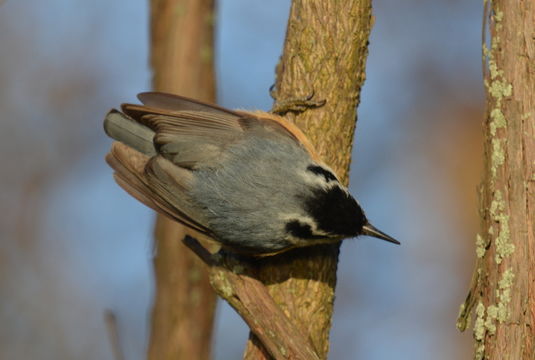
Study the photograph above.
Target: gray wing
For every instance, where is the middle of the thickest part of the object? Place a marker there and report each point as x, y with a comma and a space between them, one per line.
172, 102
193, 134
164, 140
157, 146
188, 138
156, 183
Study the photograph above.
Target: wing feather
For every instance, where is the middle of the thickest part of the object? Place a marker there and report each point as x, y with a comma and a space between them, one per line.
131, 173
175, 103
157, 103
290, 128
188, 134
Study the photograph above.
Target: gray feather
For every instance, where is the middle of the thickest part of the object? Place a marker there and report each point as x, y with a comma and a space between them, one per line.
234, 176
172, 184
155, 182
194, 139
121, 128
179, 103
245, 200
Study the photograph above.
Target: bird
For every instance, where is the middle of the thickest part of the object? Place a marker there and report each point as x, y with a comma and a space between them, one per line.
250, 180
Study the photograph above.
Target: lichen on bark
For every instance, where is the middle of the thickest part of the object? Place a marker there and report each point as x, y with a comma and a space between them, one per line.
503, 282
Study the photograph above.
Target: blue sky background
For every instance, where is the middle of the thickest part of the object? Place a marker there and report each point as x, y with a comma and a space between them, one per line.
74, 244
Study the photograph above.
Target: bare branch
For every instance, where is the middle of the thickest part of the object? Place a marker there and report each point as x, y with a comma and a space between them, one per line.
325, 55
504, 276
234, 280
184, 304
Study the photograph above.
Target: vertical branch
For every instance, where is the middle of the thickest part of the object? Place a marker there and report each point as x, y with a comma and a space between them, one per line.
324, 54
504, 281
182, 61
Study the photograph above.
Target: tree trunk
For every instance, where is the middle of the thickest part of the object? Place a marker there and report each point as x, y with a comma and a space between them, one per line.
182, 61
324, 55
503, 289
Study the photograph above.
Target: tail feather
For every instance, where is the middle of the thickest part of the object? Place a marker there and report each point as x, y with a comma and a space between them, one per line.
129, 167
121, 128
131, 174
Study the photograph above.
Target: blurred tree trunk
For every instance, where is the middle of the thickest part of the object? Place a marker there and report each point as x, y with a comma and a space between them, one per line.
325, 55
184, 305
503, 290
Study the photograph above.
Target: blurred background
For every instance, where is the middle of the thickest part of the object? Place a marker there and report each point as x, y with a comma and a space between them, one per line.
73, 244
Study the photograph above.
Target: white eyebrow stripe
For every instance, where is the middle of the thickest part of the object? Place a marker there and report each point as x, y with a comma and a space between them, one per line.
323, 178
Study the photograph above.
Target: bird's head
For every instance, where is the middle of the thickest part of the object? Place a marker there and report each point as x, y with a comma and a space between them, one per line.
331, 211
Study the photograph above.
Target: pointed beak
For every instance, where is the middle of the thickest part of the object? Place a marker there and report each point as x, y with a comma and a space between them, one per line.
371, 230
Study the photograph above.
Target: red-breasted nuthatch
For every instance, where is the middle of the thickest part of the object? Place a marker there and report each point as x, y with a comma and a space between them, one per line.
250, 180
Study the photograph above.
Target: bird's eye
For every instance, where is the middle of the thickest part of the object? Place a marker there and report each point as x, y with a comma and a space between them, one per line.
302, 230
321, 171
298, 229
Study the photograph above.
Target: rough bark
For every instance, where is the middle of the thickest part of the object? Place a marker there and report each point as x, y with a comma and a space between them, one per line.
503, 288
234, 280
182, 63
324, 54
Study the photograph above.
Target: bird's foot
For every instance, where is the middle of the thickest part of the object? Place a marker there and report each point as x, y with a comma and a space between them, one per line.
295, 105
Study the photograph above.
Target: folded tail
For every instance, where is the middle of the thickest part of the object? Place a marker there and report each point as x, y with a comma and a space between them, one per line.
155, 183
137, 136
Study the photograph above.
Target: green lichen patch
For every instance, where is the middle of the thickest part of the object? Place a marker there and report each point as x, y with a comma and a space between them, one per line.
504, 247
498, 16
486, 325
525, 116
490, 321
481, 246
500, 311
220, 283
461, 322
494, 71
497, 120
479, 324
485, 52
498, 89
283, 350
497, 157
497, 205
503, 294
480, 331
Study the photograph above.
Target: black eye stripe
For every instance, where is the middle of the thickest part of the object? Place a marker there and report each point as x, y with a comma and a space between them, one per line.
318, 170
335, 211
300, 230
